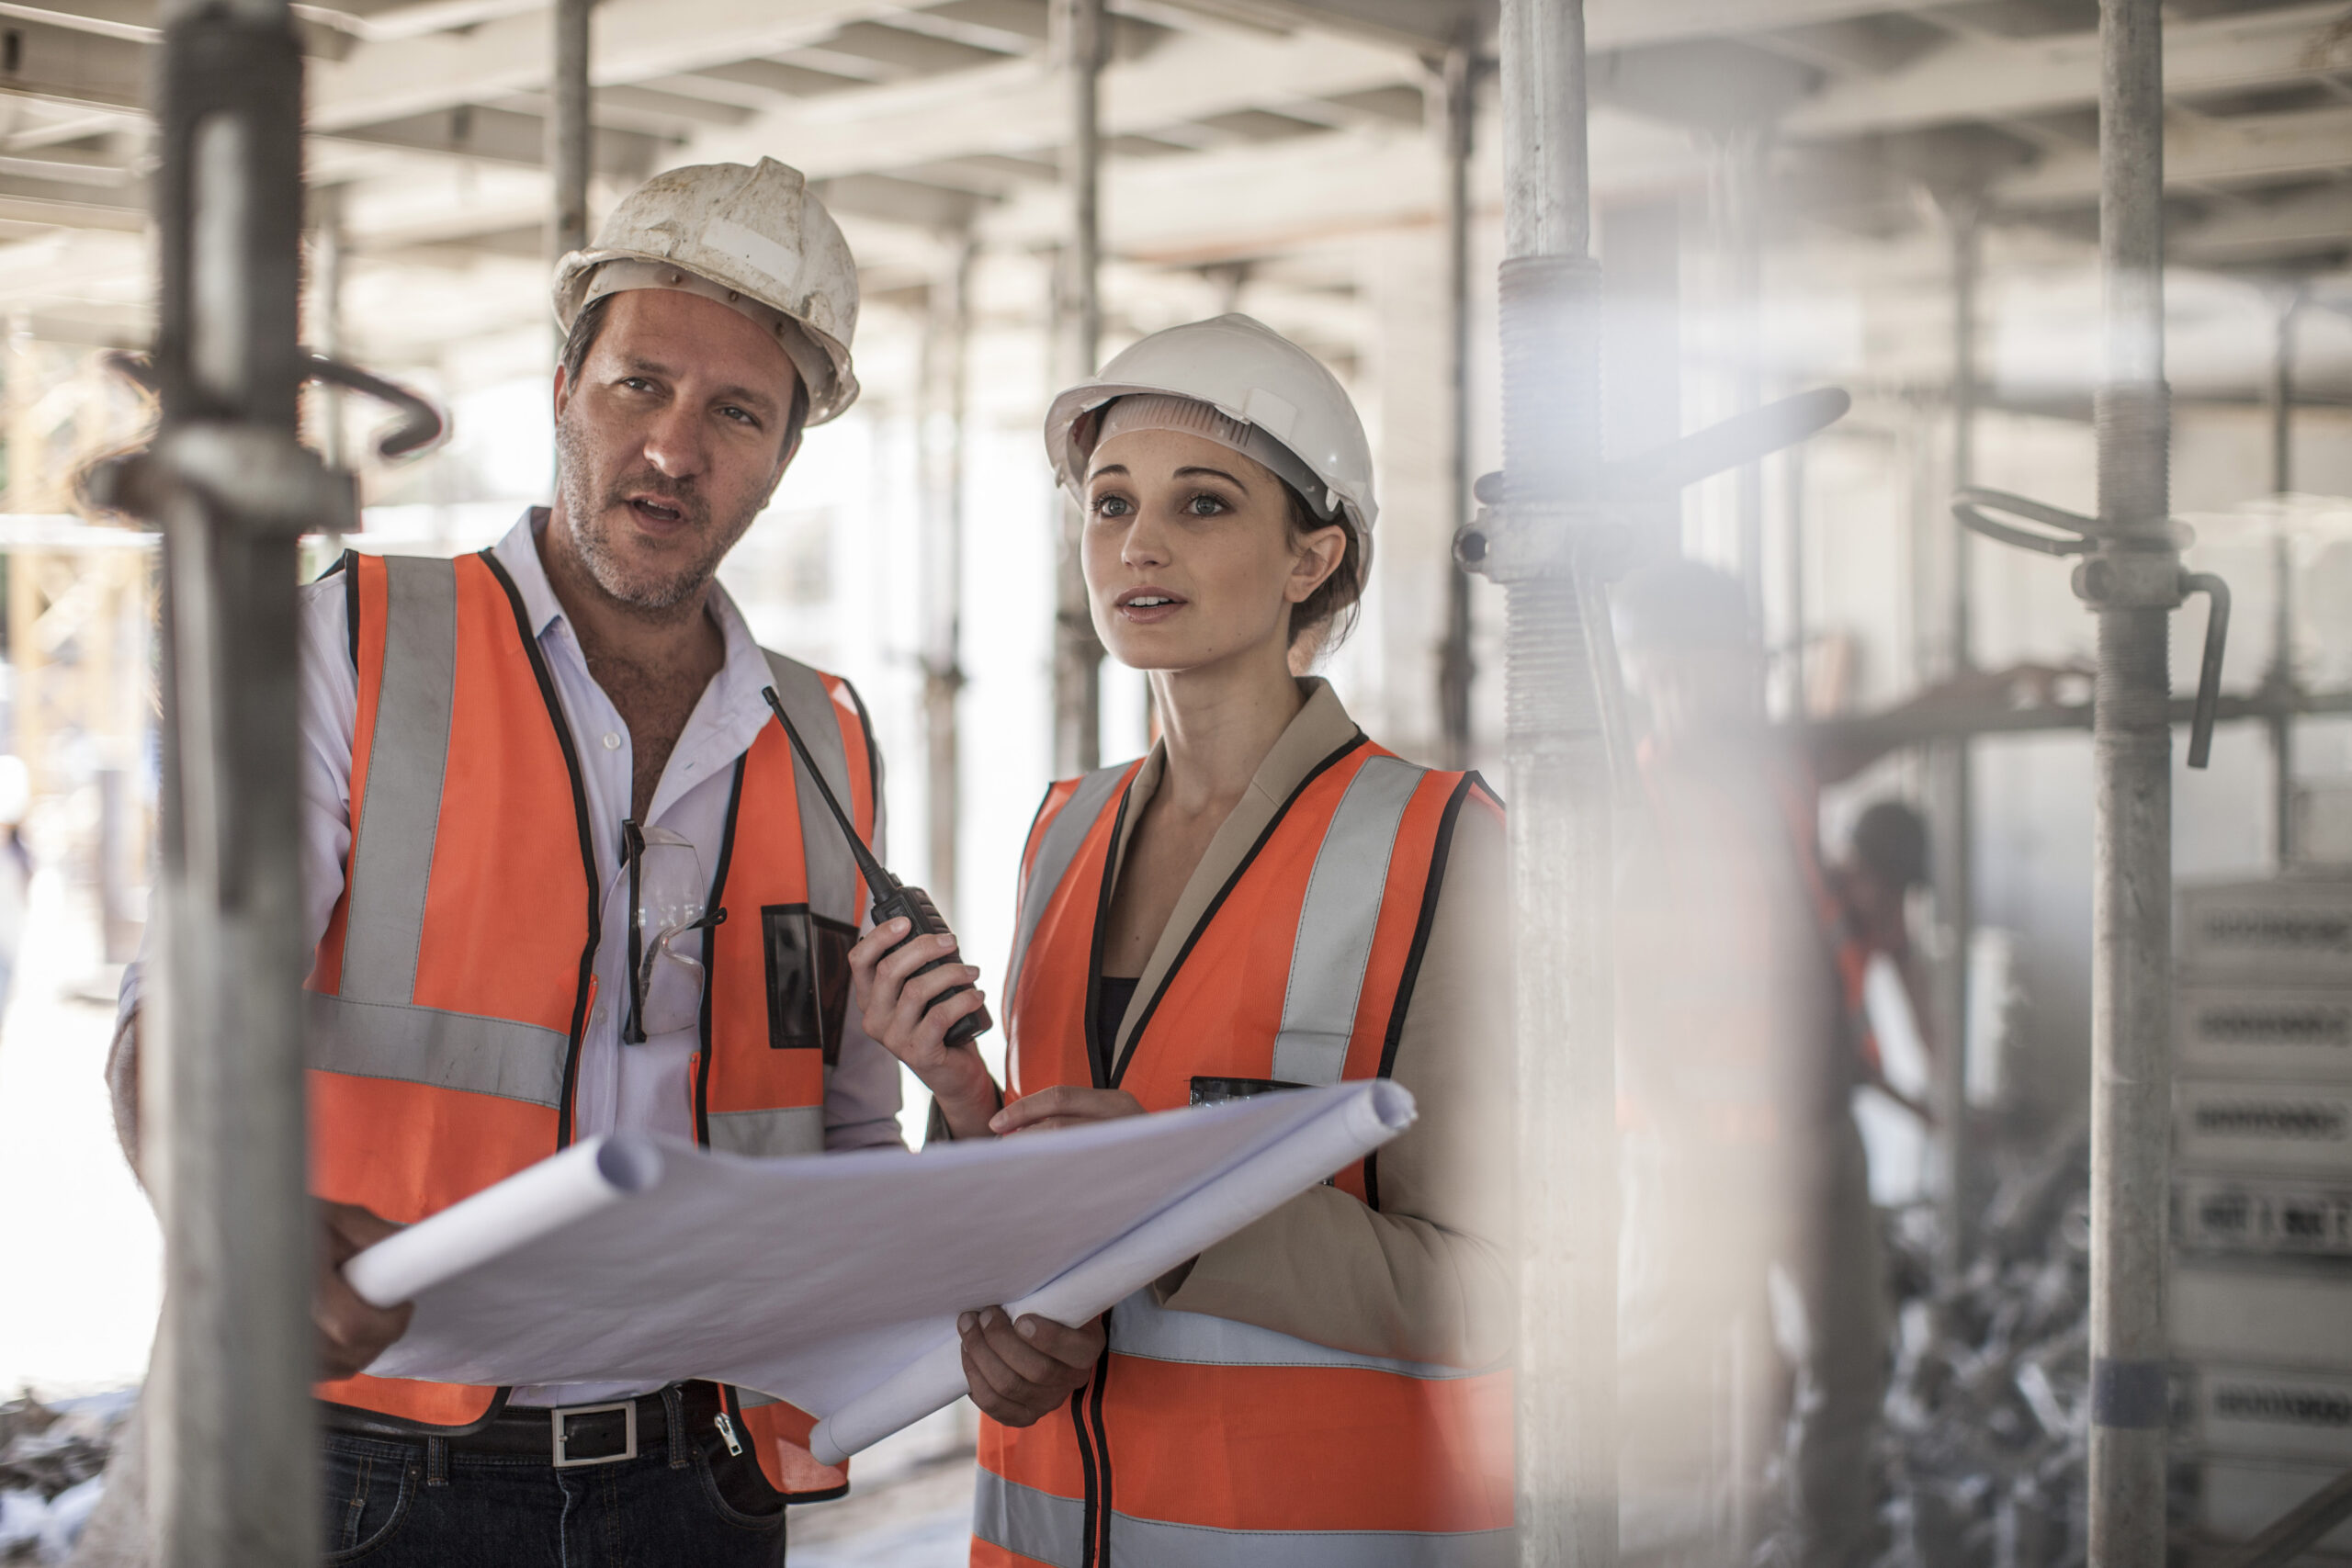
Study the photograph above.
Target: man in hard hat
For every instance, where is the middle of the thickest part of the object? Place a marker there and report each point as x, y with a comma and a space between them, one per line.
1751, 1289
562, 882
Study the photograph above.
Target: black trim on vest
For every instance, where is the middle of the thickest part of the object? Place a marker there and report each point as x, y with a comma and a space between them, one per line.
349, 567
563, 1129
1207, 915
1098, 1050
1099, 1505
1439, 852
710, 952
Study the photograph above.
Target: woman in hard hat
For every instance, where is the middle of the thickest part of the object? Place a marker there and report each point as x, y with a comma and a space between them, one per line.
1268, 900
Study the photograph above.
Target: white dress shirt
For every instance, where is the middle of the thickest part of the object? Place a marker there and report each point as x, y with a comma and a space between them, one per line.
642, 1088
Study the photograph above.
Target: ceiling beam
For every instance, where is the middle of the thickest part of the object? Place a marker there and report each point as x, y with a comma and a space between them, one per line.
44, 61
506, 136
2313, 221
2240, 150
1023, 106
1989, 78
635, 40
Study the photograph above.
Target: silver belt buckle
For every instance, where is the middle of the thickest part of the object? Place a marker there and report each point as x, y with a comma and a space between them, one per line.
557, 1417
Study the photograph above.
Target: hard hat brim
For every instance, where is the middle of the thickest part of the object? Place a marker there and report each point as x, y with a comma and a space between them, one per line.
577, 269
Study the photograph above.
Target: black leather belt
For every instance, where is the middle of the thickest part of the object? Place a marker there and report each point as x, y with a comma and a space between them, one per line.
570, 1435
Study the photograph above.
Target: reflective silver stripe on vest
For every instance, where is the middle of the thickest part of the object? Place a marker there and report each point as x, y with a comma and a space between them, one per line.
1140, 1327
796, 1130
1047, 1528
443, 1050
1064, 836
832, 869
1035, 1524
392, 853
1153, 1543
1337, 922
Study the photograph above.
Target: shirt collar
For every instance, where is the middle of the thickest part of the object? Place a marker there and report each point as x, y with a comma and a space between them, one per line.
736, 688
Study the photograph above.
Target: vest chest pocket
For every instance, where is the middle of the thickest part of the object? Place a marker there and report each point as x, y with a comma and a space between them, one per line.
808, 975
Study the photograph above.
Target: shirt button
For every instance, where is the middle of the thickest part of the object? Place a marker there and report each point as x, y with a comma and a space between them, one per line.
612, 741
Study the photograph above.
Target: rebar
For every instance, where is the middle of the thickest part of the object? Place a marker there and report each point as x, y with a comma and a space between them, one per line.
1952, 784
946, 348
2280, 676
1559, 787
1078, 654
1456, 668
2133, 582
568, 130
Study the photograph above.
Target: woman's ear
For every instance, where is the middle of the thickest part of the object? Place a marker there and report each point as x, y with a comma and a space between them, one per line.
1319, 555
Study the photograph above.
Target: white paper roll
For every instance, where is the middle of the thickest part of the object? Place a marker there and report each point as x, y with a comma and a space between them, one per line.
530, 1204
1249, 1191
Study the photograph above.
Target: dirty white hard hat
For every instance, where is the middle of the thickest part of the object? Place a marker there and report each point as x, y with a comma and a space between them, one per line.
1254, 377
753, 239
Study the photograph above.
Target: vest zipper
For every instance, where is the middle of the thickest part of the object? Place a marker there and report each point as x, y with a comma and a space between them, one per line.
727, 1434
1094, 1458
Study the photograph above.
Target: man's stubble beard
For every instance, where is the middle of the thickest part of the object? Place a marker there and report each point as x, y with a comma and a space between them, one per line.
588, 514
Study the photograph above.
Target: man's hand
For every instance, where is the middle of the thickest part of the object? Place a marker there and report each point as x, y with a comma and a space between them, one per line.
1064, 1105
1022, 1372
351, 1333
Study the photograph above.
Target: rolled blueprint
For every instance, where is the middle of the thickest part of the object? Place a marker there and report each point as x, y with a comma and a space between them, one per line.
1244, 1192
538, 1202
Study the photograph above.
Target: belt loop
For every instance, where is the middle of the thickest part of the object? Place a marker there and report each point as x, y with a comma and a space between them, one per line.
674, 1401
436, 1461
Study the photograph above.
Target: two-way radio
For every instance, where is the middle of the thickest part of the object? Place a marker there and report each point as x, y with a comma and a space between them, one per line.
892, 898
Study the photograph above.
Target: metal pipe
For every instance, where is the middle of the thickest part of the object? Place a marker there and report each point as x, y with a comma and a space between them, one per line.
1952, 784
1078, 655
2281, 674
946, 349
1456, 670
232, 1439
2134, 584
1557, 761
332, 247
568, 130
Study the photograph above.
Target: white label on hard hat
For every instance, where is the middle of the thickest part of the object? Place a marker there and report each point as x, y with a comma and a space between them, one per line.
1270, 413
724, 235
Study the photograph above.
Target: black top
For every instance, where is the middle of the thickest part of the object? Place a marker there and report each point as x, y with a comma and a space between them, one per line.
1111, 994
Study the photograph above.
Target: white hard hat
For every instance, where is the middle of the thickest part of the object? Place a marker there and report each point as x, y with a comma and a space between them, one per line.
1254, 377
751, 238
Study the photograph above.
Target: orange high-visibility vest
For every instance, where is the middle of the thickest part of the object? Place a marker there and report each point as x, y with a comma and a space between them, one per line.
448, 996
1200, 1440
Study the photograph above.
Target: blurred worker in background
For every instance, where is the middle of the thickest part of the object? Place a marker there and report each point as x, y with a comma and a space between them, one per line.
523, 771
1748, 1227
15, 869
1885, 862
1268, 900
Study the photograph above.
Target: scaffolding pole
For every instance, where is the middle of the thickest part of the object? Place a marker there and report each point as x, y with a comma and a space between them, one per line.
947, 350
1558, 767
233, 1450
2132, 581
2280, 677
1952, 784
569, 134
1078, 654
1456, 670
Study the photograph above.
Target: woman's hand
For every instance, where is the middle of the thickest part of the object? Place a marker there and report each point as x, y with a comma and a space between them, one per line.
1064, 1105
1022, 1372
891, 1000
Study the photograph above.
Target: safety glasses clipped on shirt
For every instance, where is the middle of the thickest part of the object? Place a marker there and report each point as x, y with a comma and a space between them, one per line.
666, 896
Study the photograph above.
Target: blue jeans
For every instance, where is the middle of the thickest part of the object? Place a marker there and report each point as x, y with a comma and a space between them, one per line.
395, 1503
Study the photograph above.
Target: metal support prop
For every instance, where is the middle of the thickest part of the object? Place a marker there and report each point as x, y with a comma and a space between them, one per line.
1558, 767
946, 348
1078, 654
1456, 670
2133, 581
234, 1447
1952, 784
2279, 678
568, 130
